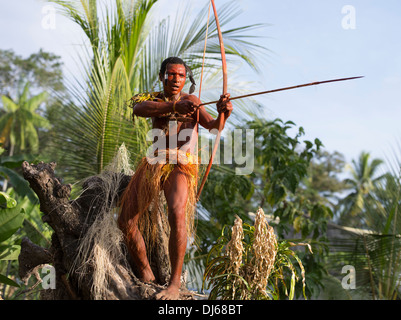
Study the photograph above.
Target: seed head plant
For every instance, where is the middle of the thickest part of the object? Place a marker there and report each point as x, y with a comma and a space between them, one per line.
248, 263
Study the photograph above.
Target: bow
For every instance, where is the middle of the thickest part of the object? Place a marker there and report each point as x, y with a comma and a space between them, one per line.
221, 122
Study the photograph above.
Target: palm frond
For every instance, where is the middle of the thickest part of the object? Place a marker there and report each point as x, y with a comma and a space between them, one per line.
84, 14
9, 104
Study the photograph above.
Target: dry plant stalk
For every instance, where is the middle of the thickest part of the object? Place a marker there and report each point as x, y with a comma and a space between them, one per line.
252, 255
255, 273
234, 251
264, 248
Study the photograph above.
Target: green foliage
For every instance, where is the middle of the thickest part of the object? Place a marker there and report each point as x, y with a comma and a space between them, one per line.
43, 72
11, 218
19, 216
277, 184
363, 181
8, 166
284, 269
322, 183
281, 164
374, 253
41, 69
6, 201
23, 220
19, 123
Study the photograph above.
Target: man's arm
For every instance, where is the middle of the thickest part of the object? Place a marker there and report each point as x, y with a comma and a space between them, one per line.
186, 106
159, 108
152, 108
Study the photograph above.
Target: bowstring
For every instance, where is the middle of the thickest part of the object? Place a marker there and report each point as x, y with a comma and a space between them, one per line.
204, 51
201, 77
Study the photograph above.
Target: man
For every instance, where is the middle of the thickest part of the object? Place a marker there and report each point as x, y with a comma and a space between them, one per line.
173, 112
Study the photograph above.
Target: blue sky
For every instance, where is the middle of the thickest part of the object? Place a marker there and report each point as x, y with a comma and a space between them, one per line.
307, 43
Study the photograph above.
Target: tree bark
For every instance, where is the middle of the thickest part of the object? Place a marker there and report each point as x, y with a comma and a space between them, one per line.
70, 220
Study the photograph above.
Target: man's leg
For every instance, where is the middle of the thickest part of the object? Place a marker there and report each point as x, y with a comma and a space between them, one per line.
176, 193
128, 223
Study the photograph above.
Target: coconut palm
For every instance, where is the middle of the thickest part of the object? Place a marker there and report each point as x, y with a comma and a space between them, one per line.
126, 50
364, 179
20, 121
374, 253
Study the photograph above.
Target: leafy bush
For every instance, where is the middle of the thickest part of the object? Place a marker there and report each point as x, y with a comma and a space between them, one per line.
11, 219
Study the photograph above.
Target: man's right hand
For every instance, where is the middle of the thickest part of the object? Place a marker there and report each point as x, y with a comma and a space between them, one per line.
185, 107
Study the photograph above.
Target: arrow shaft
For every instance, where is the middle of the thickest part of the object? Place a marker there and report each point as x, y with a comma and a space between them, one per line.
282, 89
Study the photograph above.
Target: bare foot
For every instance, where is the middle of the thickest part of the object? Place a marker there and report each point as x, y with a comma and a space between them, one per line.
171, 293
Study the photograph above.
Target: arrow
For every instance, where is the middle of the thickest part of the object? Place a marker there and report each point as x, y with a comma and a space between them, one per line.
282, 89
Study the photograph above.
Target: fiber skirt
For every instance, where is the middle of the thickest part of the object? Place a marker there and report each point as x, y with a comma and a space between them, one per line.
144, 194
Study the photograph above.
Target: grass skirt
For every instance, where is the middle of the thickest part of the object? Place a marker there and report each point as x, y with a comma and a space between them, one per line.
144, 195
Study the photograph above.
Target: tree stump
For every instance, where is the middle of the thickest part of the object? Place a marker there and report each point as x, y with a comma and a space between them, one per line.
71, 220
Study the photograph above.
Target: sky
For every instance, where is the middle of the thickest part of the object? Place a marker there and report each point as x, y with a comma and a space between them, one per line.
308, 40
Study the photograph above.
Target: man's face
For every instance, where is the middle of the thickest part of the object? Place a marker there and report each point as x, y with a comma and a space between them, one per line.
176, 76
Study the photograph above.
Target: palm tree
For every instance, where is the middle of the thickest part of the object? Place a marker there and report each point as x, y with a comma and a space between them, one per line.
19, 122
124, 58
363, 181
375, 253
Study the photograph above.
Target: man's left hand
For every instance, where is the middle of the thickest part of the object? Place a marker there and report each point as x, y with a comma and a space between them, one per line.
224, 105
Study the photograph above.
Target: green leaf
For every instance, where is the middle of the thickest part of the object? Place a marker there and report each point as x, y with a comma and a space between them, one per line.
292, 287
34, 233
10, 221
297, 224
10, 252
15, 161
318, 143
20, 185
309, 144
291, 181
6, 201
8, 281
277, 195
